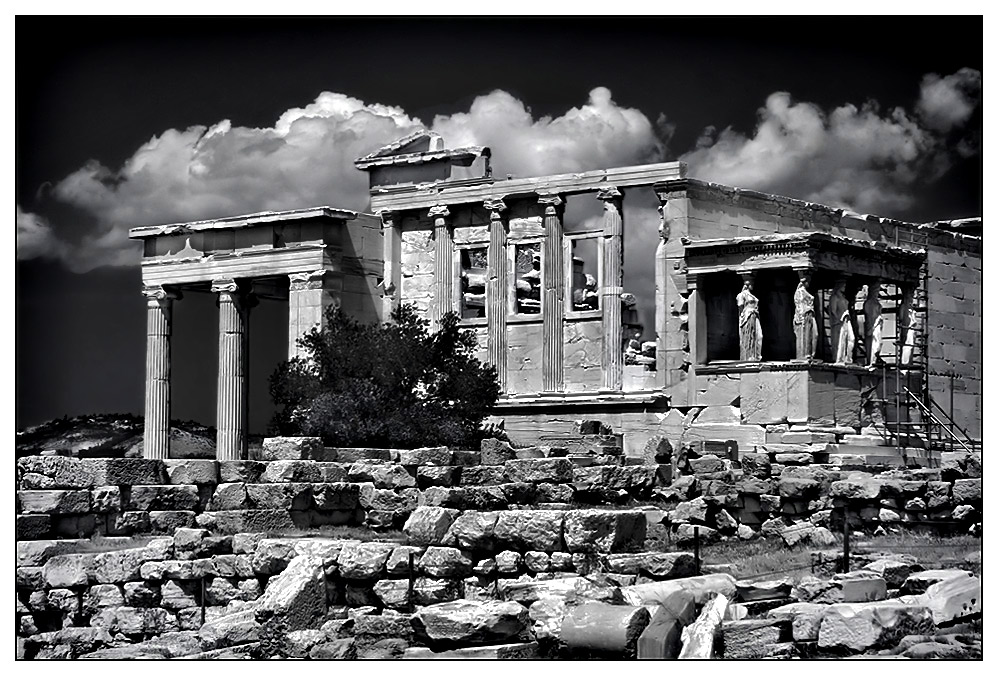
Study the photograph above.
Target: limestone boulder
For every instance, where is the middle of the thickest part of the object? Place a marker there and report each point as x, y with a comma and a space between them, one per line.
539, 470
54, 502
753, 639
332, 496
429, 591
235, 628
438, 456
604, 531
398, 560
445, 562
291, 448
365, 560
693, 511
460, 623
539, 530
393, 593
894, 570
46, 472
292, 601
967, 491
654, 564
804, 618
200, 472
686, 533
509, 562
382, 475
429, 525
546, 617
952, 600
475, 530
858, 627
339, 649
919, 582
496, 452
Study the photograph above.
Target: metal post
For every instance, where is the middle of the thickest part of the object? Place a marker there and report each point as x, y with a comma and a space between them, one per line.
412, 580
696, 548
952, 436
845, 539
202, 600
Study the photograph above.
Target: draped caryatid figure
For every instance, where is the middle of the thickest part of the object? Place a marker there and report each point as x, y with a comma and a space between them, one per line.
840, 321
749, 326
805, 325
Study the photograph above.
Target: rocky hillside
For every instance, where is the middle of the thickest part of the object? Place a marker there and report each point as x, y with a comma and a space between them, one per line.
110, 435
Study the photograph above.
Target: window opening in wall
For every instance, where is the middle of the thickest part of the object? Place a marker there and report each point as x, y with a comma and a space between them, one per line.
585, 274
527, 278
474, 270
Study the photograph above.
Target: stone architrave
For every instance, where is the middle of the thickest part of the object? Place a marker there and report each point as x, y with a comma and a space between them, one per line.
749, 326
231, 419
443, 268
613, 280
553, 305
307, 301
873, 326
805, 325
840, 320
496, 290
159, 322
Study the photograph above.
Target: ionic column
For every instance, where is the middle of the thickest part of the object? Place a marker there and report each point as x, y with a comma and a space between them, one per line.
159, 323
232, 404
308, 298
496, 290
553, 358
392, 254
662, 296
443, 265
613, 279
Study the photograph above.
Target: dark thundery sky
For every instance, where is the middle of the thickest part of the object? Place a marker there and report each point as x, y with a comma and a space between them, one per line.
126, 122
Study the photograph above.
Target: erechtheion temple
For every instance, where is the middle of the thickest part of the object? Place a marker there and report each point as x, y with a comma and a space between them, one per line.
775, 320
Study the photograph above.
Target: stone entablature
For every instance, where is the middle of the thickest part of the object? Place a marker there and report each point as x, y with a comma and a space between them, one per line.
804, 251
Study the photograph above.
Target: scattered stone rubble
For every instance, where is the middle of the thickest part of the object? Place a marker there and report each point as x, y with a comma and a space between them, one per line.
508, 554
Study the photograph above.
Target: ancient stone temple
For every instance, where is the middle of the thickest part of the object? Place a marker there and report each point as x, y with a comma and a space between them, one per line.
773, 317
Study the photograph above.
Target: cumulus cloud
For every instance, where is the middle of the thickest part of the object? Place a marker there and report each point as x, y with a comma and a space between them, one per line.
596, 135
306, 158
854, 156
35, 237
948, 102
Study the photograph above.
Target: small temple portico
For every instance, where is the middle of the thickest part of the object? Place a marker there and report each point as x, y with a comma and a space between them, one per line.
313, 258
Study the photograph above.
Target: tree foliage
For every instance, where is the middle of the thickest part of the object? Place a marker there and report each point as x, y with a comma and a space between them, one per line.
385, 385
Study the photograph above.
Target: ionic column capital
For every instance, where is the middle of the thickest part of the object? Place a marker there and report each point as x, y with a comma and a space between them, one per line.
495, 206
552, 204
157, 293
387, 217
225, 285
609, 194
303, 281
439, 211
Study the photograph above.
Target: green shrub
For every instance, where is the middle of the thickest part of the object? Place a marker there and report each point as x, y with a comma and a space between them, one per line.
391, 385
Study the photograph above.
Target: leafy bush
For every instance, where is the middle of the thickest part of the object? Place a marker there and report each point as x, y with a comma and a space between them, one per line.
391, 385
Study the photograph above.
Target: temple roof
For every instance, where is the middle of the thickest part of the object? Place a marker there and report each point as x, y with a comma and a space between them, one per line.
244, 221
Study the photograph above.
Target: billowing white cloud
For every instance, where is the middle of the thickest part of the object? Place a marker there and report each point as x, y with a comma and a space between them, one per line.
35, 237
594, 136
948, 102
307, 157
855, 157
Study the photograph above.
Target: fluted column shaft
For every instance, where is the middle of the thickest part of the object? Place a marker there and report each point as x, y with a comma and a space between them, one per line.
232, 383
443, 265
612, 288
496, 290
553, 357
159, 320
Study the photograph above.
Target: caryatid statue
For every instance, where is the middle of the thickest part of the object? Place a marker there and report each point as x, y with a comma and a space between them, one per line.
873, 327
843, 338
749, 326
805, 325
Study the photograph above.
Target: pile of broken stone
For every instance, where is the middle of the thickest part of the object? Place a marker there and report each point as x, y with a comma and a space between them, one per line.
322, 598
